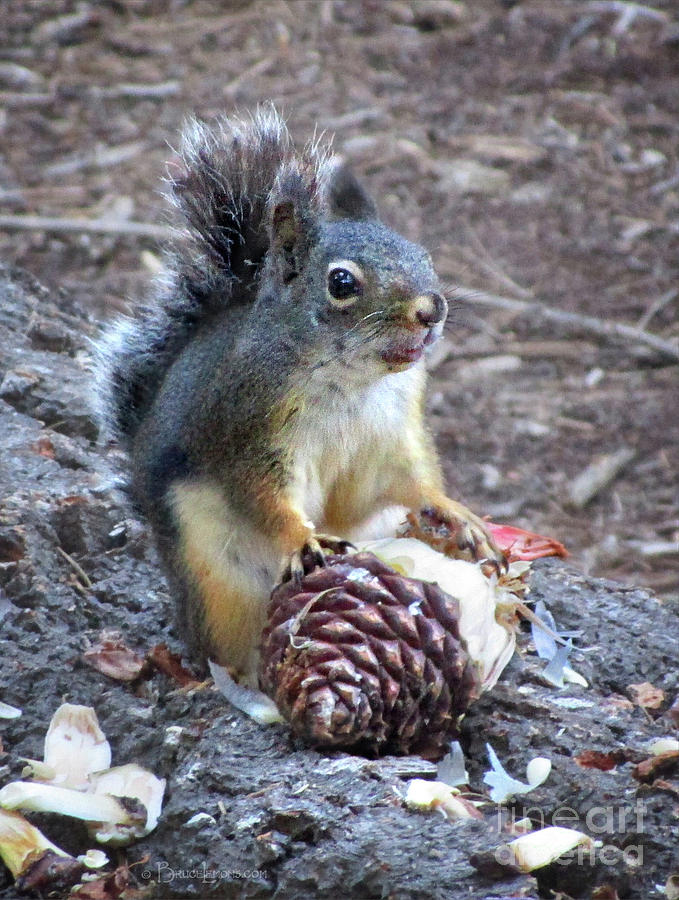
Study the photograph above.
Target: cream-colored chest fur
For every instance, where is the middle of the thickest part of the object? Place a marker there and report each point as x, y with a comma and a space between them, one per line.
347, 451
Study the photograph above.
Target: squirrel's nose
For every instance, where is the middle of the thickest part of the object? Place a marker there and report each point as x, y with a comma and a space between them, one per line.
430, 309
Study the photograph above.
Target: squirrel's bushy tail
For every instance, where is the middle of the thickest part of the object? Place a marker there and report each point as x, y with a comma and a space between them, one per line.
221, 188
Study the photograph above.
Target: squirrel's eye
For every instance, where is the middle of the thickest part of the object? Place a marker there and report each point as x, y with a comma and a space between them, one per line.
343, 285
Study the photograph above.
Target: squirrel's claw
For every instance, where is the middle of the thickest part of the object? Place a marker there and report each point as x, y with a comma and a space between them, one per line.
303, 560
334, 544
470, 534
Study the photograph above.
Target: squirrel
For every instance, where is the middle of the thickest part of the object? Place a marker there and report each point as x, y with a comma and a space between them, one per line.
270, 394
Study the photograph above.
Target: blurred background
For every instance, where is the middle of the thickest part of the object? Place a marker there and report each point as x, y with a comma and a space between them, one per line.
533, 147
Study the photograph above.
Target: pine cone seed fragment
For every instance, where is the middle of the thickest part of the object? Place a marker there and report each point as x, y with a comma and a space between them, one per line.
359, 656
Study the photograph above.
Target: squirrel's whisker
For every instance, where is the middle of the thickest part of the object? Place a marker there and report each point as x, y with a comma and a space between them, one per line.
377, 312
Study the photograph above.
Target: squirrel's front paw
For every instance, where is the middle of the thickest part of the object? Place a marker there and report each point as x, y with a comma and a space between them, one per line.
469, 532
310, 554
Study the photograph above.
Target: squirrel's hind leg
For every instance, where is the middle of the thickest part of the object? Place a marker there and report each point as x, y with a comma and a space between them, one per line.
227, 570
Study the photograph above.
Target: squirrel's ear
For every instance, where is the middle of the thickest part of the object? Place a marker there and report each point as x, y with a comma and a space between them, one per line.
284, 226
346, 198
293, 226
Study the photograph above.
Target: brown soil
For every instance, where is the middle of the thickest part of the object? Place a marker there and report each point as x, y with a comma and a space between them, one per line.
532, 146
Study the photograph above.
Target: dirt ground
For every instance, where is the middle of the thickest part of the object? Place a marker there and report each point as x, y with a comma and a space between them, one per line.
532, 146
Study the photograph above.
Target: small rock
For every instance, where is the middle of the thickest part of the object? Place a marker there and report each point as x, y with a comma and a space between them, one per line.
531, 428
12, 545
173, 735
19, 77
271, 846
49, 335
481, 369
467, 176
430, 15
16, 388
500, 148
81, 525
201, 820
531, 192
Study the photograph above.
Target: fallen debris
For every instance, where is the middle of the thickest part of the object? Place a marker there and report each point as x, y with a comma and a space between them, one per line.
119, 805
252, 702
171, 665
646, 695
435, 795
75, 747
598, 475
659, 764
503, 787
35, 863
112, 657
540, 848
9, 712
451, 770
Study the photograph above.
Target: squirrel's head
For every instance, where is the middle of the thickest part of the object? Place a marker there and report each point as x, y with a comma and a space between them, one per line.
364, 296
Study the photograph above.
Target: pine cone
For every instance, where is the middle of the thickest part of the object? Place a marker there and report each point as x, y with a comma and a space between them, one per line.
358, 656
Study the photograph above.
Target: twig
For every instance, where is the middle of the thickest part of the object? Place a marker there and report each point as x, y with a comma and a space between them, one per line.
486, 262
82, 574
173, 26
403, 767
259, 68
99, 158
88, 226
611, 331
581, 27
62, 28
627, 12
565, 349
659, 303
64, 194
655, 548
355, 119
17, 100
137, 91
598, 475
667, 185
